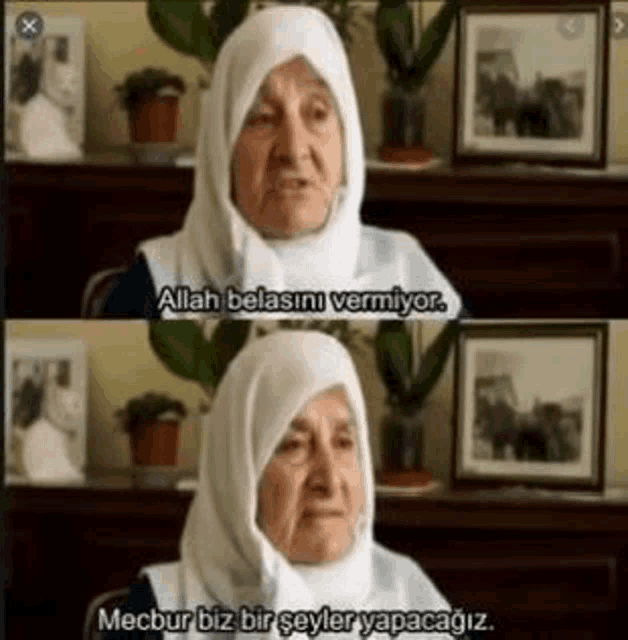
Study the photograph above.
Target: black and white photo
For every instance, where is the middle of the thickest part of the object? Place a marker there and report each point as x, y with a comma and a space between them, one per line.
46, 417
530, 404
45, 89
531, 83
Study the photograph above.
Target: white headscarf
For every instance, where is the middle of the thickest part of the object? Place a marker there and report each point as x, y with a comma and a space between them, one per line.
265, 387
217, 248
225, 557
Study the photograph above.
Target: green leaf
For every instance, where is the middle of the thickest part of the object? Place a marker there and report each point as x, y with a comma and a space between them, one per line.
432, 43
227, 340
177, 22
393, 356
181, 346
224, 17
394, 36
432, 364
182, 24
146, 408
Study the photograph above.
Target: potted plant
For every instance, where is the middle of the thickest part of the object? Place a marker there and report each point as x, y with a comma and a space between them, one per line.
152, 421
151, 97
403, 105
192, 30
184, 348
402, 428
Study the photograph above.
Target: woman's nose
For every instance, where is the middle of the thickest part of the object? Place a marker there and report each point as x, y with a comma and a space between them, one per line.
325, 472
292, 140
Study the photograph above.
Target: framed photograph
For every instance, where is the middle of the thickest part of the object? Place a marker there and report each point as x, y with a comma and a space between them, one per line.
46, 418
531, 83
44, 79
530, 406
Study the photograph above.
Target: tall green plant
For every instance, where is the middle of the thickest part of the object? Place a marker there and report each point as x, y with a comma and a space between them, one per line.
182, 347
394, 358
183, 25
407, 67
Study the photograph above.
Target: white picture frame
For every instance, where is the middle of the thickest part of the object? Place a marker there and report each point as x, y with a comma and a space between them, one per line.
531, 83
530, 405
37, 370
28, 68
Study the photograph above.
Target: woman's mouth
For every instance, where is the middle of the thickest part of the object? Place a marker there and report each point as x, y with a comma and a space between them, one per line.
292, 184
323, 513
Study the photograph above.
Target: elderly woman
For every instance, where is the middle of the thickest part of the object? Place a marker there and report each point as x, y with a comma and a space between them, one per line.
279, 182
283, 514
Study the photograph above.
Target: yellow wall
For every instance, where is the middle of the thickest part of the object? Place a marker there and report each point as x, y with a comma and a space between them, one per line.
120, 40
439, 440
122, 365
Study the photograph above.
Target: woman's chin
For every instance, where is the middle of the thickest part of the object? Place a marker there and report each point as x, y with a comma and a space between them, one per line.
293, 219
319, 550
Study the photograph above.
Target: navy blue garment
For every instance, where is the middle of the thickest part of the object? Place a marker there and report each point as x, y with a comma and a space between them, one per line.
141, 599
134, 296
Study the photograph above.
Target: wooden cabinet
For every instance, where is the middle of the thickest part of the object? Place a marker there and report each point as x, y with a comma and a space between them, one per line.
541, 570
538, 568
533, 244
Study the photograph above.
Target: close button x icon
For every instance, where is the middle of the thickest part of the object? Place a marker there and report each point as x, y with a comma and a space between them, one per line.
29, 25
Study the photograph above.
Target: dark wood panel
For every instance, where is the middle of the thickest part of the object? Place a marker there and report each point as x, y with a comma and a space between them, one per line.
515, 245
542, 586
541, 568
118, 231
530, 259
497, 188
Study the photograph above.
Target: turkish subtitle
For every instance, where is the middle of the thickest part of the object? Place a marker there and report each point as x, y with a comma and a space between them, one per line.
311, 623
398, 301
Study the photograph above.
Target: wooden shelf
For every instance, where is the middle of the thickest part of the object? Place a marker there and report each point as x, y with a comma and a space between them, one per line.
534, 562
516, 243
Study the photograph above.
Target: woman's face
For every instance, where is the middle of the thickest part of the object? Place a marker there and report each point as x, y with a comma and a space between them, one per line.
311, 493
287, 162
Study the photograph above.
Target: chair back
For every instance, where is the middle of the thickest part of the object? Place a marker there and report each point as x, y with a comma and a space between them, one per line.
97, 290
108, 601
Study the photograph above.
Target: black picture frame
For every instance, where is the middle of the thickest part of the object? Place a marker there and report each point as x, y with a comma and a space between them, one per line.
558, 120
501, 439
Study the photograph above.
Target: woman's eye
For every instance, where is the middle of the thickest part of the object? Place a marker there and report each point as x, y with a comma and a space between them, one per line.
290, 446
260, 119
346, 443
319, 113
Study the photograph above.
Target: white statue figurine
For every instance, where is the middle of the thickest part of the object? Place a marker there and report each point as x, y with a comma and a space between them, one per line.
44, 123
45, 442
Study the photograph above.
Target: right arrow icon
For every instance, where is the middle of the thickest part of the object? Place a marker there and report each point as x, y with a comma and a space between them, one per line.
620, 24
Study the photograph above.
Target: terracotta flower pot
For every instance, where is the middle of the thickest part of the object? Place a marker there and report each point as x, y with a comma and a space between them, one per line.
403, 127
402, 440
155, 120
156, 444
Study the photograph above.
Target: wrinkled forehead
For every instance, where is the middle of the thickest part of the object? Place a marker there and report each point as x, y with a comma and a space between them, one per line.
297, 69
333, 403
334, 406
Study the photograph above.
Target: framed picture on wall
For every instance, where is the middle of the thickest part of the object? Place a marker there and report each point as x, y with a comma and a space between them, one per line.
530, 406
46, 417
44, 85
531, 82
